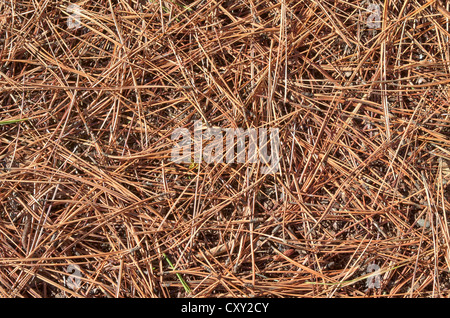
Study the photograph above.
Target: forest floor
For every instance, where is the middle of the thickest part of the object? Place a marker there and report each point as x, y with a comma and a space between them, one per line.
93, 94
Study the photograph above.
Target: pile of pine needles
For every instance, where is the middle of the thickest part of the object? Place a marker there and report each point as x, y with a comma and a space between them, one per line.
91, 204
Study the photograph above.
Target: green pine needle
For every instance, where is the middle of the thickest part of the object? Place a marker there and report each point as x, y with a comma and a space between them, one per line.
13, 121
183, 282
